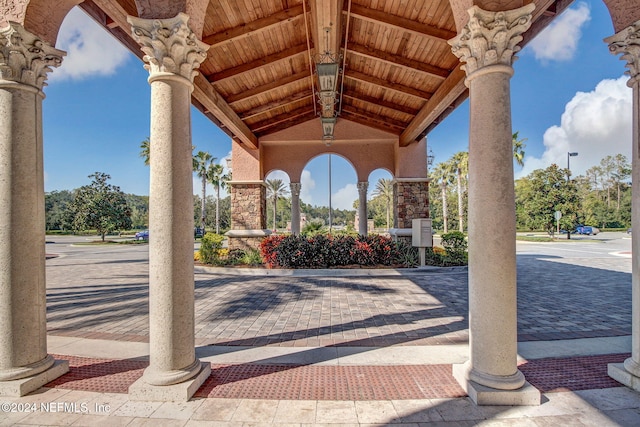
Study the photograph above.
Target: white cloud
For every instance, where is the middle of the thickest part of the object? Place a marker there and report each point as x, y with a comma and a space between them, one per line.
344, 197
307, 185
91, 51
594, 124
559, 40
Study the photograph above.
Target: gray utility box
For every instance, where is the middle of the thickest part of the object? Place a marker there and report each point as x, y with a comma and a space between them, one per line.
422, 233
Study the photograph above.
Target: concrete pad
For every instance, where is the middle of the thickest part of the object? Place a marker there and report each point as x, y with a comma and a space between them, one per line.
103, 349
336, 411
137, 409
620, 374
575, 347
177, 410
90, 420
268, 355
296, 411
607, 399
24, 386
417, 411
254, 410
403, 355
181, 392
213, 410
379, 411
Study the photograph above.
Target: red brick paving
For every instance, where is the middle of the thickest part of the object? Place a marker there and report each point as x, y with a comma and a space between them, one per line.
294, 382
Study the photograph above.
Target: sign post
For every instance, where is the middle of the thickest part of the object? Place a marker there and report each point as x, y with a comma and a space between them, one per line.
557, 215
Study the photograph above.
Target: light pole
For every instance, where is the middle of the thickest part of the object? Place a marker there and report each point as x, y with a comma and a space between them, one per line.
569, 156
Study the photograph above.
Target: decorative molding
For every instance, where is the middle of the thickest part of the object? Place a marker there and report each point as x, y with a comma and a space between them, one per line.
627, 43
169, 45
25, 58
491, 38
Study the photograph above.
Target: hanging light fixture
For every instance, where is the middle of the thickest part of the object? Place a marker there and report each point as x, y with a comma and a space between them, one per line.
327, 69
328, 76
328, 124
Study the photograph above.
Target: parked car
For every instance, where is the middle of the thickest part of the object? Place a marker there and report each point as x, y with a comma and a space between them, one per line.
142, 235
628, 231
586, 229
198, 232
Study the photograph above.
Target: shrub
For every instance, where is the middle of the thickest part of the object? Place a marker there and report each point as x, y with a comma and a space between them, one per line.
210, 248
455, 245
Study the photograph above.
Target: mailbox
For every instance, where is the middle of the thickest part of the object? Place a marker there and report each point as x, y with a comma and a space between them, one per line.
422, 234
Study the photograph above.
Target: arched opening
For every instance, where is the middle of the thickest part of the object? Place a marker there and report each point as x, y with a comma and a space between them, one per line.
380, 210
278, 201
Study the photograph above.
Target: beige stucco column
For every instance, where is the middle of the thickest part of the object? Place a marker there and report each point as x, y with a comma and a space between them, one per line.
25, 365
627, 42
363, 186
487, 44
295, 207
172, 53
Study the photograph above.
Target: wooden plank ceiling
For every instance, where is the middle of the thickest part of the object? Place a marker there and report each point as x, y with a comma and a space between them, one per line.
397, 71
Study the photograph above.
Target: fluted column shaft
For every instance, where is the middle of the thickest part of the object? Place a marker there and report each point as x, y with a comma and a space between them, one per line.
172, 55
25, 61
362, 207
295, 207
487, 45
627, 43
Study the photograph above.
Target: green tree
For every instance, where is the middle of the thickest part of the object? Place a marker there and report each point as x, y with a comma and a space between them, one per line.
100, 206
460, 163
518, 148
219, 180
275, 190
442, 175
203, 164
58, 213
384, 190
145, 151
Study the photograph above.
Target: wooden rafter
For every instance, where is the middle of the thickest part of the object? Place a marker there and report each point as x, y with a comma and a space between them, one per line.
381, 103
258, 63
382, 18
253, 27
262, 109
449, 91
276, 84
282, 118
285, 125
397, 60
370, 123
417, 93
365, 114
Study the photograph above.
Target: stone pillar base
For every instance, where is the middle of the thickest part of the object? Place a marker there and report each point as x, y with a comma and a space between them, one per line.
181, 392
246, 239
620, 374
24, 386
527, 395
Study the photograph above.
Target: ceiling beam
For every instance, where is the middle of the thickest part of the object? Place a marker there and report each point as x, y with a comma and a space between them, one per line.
370, 123
282, 118
397, 60
276, 84
214, 103
253, 27
381, 103
285, 125
365, 114
258, 63
406, 90
445, 95
383, 18
262, 109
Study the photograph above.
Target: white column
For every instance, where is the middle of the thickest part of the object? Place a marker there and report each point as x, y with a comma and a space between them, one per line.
295, 207
627, 42
362, 207
172, 55
487, 45
25, 365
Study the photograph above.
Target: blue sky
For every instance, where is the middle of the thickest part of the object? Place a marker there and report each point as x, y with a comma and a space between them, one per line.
568, 94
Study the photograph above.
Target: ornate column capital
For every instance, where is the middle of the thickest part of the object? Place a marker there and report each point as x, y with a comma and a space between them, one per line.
363, 186
627, 43
169, 45
295, 188
491, 38
25, 58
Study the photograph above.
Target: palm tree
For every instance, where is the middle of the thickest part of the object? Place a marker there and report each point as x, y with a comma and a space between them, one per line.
518, 148
218, 180
202, 164
384, 189
442, 175
460, 162
145, 151
275, 190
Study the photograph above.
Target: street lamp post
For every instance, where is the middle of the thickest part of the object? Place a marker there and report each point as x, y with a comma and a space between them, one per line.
569, 156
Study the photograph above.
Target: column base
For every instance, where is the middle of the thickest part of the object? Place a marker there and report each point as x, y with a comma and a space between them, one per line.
527, 395
246, 239
182, 392
618, 372
24, 386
